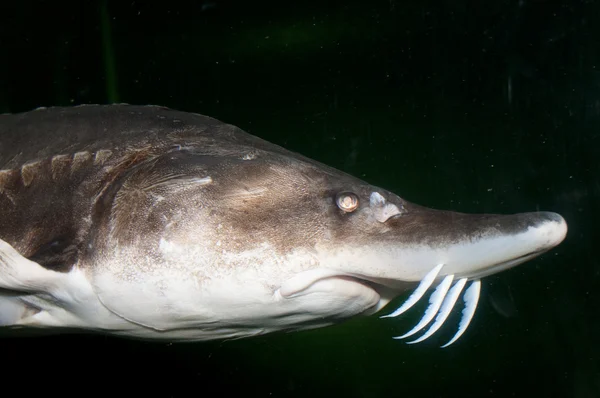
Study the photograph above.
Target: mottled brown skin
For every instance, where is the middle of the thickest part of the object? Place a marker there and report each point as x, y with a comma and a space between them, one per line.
90, 174
62, 169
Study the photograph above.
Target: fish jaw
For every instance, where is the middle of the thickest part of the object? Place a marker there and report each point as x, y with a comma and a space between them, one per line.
456, 267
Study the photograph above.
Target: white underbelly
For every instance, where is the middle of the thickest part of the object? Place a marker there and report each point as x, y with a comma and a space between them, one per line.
179, 309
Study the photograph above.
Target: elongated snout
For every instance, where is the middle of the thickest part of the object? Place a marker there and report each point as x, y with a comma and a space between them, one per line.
537, 232
503, 242
477, 245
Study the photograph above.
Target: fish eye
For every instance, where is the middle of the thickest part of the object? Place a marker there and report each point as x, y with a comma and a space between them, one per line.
347, 201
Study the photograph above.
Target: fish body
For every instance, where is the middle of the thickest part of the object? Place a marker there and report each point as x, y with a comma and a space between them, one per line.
151, 223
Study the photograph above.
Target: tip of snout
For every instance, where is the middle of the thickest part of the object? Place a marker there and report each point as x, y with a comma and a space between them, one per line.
552, 229
513, 240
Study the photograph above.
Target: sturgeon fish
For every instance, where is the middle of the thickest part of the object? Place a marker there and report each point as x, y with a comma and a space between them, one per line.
150, 223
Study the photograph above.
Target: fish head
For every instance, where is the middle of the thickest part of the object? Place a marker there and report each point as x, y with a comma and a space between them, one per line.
276, 219
273, 207
382, 236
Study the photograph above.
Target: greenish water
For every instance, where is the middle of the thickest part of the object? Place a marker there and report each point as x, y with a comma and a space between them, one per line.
475, 107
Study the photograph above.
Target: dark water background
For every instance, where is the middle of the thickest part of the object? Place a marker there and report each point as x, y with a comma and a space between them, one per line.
472, 106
